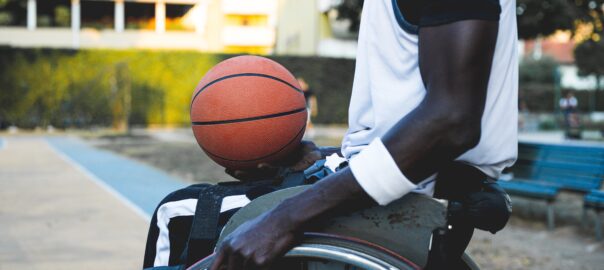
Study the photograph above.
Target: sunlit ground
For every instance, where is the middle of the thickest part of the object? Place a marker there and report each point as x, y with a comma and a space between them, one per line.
524, 244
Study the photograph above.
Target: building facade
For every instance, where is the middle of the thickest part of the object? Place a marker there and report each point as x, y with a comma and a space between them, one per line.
218, 26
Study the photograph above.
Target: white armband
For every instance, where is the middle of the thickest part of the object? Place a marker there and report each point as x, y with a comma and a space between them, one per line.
378, 174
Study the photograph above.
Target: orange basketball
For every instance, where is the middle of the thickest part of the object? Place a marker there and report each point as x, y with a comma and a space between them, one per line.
248, 110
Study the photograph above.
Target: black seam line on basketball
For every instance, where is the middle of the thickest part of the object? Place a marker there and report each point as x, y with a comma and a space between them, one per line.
244, 75
255, 159
207, 123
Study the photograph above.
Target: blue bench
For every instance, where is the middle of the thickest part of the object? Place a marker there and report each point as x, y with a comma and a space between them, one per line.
531, 189
595, 200
543, 170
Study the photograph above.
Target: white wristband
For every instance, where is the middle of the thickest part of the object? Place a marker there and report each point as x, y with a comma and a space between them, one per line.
378, 174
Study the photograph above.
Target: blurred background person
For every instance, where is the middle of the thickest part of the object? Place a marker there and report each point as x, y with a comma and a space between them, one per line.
568, 106
311, 105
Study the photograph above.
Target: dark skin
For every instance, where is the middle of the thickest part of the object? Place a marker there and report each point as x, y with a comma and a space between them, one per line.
455, 61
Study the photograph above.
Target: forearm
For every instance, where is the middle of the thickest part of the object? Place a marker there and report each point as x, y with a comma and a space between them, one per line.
333, 192
426, 148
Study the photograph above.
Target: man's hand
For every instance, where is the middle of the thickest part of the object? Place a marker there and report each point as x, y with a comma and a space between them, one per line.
305, 156
308, 154
260, 241
257, 243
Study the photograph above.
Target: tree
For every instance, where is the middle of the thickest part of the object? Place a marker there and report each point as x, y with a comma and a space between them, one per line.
589, 53
542, 18
589, 56
121, 96
537, 71
350, 10
535, 17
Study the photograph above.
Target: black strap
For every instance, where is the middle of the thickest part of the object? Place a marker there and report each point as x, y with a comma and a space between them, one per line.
204, 229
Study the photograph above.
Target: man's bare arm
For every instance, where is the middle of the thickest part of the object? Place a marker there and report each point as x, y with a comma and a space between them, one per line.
455, 62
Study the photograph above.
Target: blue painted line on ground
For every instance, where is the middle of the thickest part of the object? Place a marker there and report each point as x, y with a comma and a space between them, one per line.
141, 184
1, 144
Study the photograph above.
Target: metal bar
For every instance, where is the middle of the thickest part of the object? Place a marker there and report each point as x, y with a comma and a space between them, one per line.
119, 16
584, 218
598, 225
160, 16
75, 23
31, 15
550, 215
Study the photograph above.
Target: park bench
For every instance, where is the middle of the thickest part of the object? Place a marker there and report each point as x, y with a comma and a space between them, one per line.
543, 170
595, 201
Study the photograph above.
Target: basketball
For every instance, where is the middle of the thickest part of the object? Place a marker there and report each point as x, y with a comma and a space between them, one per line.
248, 110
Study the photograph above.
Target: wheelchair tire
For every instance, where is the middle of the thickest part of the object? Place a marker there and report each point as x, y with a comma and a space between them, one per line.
351, 252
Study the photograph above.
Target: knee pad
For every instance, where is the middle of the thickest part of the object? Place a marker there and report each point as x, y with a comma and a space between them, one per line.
488, 209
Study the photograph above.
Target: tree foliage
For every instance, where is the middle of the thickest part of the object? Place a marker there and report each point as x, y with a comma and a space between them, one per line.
542, 18
350, 10
12, 12
589, 54
535, 17
589, 57
537, 71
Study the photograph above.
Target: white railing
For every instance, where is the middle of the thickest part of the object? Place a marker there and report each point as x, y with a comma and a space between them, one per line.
91, 38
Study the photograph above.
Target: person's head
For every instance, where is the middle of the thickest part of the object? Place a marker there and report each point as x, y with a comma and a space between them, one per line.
302, 83
570, 94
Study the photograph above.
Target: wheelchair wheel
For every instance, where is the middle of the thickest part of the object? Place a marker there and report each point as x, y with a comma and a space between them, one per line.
331, 252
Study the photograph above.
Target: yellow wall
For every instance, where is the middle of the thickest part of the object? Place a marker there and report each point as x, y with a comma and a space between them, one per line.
214, 24
247, 20
248, 50
217, 20
297, 27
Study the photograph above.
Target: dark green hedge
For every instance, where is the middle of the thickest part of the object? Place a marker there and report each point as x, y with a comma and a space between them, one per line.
69, 88
540, 98
537, 87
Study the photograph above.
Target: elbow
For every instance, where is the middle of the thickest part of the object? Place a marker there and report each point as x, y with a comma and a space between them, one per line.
463, 131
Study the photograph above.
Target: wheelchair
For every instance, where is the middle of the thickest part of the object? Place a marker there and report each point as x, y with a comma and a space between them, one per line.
396, 236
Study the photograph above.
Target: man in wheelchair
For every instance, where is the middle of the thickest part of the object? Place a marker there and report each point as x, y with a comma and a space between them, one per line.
433, 111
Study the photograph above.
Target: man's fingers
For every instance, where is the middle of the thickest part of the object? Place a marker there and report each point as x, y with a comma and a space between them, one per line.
307, 160
218, 259
309, 144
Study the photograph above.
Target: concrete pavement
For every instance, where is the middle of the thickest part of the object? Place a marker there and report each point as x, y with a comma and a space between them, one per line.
52, 216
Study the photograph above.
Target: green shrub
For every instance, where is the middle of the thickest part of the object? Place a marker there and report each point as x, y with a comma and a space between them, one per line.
69, 88
547, 125
537, 71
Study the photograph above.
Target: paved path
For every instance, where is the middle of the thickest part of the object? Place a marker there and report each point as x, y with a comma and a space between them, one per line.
138, 185
58, 214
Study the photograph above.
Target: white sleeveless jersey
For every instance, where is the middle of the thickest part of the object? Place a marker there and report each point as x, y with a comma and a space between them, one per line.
388, 85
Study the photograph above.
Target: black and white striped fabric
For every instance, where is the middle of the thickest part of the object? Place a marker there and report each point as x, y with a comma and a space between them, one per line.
172, 220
